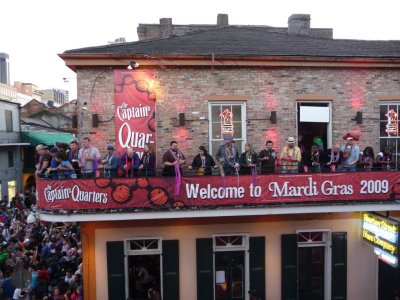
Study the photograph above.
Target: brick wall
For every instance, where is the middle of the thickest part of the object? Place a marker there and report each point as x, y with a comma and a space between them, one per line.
186, 90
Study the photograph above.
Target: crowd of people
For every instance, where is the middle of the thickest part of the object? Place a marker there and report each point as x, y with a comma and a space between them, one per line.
71, 161
38, 260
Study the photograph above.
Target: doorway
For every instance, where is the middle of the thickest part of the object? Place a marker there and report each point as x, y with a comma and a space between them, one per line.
230, 275
311, 273
314, 125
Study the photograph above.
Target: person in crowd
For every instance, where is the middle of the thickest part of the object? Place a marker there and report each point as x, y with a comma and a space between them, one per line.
73, 156
44, 160
65, 169
290, 156
335, 157
351, 153
148, 161
385, 159
110, 162
171, 157
315, 159
228, 157
248, 159
129, 163
52, 171
367, 159
203, 163
267, 158
88, 157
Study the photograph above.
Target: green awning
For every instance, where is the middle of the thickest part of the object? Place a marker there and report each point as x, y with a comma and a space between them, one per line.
46, 138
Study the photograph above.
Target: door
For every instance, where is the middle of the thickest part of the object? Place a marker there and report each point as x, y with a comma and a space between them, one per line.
311, 273
230, 275
388, 281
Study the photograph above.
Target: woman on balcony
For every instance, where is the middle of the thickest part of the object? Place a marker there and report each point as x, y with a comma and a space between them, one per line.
248, 160
148, 162
203, 163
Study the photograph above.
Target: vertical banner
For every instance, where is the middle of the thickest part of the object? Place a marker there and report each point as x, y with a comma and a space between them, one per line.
135, 114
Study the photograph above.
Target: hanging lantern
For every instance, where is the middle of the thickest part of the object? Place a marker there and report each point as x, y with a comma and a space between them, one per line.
392, 124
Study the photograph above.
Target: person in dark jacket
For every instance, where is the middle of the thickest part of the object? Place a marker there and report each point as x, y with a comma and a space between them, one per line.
248, 159
203, 163
148, 162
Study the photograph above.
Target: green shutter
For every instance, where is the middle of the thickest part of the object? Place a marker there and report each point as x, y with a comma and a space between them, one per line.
257, 265
116, 270
339, 265
289, 266
170, 258
205, 269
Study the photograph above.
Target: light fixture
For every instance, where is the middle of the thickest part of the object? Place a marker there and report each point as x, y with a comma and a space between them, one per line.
84, 105
272, 118
181, 119
133, 65
358, 118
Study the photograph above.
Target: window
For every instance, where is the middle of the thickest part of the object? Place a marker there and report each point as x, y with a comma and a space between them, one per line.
10, 159
9, 120
238, 111
11, 189
389, 128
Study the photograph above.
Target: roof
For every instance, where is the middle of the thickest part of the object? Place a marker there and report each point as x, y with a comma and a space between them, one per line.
46, 138
248, 42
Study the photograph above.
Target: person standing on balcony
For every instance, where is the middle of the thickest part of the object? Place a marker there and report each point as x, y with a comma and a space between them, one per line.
173, 157
385, 158
351, 153
129, 163
335, 157
88, 158
290, 157
44, 160
148, 161
73, 156
203, 162
228, 157
110, 162
248, 160
267, 158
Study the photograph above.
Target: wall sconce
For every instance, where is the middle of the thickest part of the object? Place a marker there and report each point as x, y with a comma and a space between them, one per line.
358, 118
84, 105
181, 119
272, 118
132, 65
95, 120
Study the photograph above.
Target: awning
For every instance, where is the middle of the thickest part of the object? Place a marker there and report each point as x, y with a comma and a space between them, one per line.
46, 138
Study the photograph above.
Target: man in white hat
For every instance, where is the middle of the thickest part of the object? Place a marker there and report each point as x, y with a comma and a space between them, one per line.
290, 157
228, 156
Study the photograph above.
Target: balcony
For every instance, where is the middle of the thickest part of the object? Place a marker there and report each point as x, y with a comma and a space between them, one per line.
142, 197
9, 137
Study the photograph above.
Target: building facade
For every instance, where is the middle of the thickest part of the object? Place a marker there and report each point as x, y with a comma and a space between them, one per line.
279, 236
4, 68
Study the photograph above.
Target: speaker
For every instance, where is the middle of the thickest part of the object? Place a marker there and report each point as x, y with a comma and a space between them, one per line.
181, 119
75, 121
95, 120
273, 117
359, 118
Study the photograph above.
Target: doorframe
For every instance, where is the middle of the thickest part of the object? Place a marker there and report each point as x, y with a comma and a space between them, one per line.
128, 252
327, 244
245, 247
329, 127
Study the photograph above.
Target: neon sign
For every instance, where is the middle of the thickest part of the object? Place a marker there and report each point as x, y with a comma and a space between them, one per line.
226, 121
392, 125
383, 235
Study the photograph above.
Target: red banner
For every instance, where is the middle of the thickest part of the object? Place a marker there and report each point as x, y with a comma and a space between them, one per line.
134, 99
103, 193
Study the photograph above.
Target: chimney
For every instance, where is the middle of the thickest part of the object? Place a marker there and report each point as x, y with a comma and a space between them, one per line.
167, 28
222, 20
299, 24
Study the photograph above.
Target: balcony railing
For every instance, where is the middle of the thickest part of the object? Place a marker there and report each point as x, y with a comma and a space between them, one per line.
107, 191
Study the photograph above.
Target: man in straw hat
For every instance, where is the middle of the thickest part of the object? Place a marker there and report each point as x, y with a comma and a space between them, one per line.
228, 156
351, 153
290, 156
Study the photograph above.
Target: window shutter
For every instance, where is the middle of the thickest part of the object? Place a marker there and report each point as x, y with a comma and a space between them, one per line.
170, 258
116, 270
289, 266
339, 265
257, 265
205, 269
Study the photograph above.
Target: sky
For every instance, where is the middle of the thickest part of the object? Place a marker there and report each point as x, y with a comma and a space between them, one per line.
34, 32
